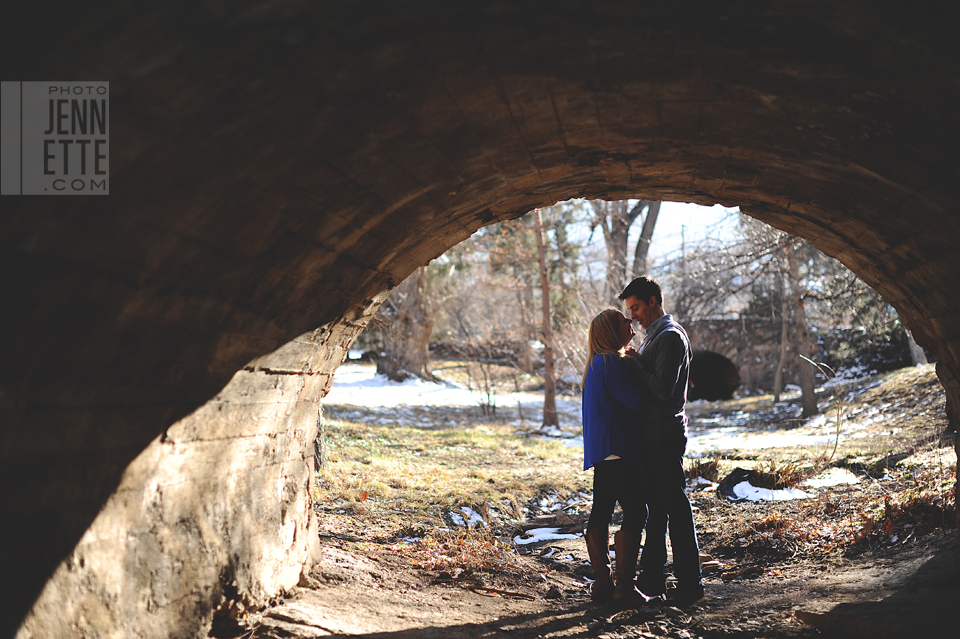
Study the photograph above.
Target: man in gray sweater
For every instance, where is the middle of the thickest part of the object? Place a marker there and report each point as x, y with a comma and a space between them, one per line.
663, 373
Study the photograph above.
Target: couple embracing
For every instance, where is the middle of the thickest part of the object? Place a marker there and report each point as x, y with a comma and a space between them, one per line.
634, 437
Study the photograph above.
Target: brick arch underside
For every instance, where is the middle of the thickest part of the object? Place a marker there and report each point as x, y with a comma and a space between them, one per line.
276, 172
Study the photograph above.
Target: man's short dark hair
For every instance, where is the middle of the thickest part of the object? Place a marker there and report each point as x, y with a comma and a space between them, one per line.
643, 288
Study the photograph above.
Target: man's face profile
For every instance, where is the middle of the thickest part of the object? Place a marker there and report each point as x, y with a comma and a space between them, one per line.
642, 311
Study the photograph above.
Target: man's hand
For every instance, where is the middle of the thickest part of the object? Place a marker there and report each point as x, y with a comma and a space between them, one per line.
629, 352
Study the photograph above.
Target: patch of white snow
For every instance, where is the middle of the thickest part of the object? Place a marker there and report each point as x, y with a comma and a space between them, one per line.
473, 517
832, 477
535, 535
746, 490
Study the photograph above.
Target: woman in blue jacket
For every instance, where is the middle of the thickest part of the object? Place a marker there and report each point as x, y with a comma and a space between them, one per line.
611, 402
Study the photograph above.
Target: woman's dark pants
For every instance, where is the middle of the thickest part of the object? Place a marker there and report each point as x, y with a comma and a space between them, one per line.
618, 480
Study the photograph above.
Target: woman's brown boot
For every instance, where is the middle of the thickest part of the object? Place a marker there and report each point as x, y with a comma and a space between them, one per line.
598, 547
627, 546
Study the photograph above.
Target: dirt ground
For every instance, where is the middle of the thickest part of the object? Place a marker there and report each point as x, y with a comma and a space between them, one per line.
877, 559
911, 593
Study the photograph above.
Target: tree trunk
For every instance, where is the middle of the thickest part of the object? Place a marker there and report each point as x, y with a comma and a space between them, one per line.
319, 447
784, 333
529, 324
802, 344
407, 342
615, 220
616, 238
549, 375
916, 351
646, 234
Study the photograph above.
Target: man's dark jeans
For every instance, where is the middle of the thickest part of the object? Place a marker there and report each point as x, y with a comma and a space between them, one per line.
662, 470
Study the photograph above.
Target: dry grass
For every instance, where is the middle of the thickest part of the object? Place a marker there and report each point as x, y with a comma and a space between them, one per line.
390, 481
908, 407
776, 474
891, 439
844, 520
905, 411
464, 553
929, 504
708, 469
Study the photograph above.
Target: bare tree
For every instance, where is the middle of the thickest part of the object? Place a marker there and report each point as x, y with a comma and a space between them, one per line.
550, 417
615, 219
646, 235
801, 335
407, 321
784, 333
750, 274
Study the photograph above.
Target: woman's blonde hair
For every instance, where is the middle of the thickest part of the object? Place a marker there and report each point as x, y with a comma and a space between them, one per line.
604, 337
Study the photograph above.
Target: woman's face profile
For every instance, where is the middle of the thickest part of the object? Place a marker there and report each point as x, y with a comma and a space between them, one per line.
625, 331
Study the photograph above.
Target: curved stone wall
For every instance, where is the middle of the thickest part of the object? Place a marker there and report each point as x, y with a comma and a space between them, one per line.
278, 167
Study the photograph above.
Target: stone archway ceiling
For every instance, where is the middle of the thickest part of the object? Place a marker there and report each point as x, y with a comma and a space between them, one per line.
276, 167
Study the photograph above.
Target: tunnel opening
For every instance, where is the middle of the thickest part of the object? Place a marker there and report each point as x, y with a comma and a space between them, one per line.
458, 487
292, 362
277, 172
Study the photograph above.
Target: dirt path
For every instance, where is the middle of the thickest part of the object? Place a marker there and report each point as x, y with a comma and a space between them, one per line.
380, 593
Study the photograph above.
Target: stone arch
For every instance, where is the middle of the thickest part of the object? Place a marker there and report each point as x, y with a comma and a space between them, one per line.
275, 170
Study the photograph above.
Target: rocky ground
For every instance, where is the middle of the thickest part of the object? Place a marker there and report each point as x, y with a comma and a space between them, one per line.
874, 558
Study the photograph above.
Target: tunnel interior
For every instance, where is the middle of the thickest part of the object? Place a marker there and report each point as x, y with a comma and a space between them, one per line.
277, 168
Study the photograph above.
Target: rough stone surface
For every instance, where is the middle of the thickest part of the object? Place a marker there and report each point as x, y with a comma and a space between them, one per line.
278, 167
215, 510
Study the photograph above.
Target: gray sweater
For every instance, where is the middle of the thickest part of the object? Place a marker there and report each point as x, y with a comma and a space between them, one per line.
663, 373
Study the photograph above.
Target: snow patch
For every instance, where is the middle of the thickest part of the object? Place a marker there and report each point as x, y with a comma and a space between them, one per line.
535, 535
359, 385
473, 518
832, 477
746, 490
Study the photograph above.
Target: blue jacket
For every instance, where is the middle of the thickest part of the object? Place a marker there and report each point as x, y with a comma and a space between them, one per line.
611, 404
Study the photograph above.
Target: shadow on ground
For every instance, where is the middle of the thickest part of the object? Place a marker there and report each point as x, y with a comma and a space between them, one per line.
923, 602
